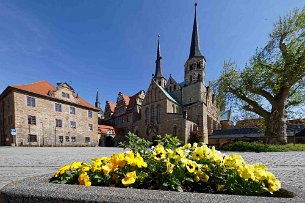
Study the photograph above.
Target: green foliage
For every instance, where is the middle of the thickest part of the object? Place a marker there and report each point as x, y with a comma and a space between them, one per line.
260, 147
135, 143
273, 81
168, 141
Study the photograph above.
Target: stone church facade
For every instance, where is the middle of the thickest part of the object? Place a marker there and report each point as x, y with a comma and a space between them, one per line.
176, 108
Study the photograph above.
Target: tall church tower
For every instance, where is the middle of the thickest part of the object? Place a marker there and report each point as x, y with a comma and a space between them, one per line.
97, 101
194, 68
158, 77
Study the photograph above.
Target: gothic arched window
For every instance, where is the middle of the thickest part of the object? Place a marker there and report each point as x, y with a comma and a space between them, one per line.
191, 78
146, 115
175, 130
158, 114
173, 106
170, 88
152, 114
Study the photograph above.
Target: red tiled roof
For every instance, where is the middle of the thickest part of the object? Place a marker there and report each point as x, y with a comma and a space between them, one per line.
43, 88
104, 128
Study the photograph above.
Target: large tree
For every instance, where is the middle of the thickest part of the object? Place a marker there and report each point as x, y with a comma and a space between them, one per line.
274, 79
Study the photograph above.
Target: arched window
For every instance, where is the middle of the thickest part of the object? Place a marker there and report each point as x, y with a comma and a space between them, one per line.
158, 114
198, 65
199, 77
191, 78
170, 88
152, 114
175, 130
174, 87
156, 91
146, 115
173, 106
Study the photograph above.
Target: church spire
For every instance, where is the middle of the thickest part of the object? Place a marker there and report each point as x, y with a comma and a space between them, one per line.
97, 101
195, 49
158, 73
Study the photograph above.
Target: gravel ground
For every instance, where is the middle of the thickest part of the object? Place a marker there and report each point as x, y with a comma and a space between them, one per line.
20, 162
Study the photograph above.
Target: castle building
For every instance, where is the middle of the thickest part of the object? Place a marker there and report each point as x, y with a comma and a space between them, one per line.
176, 108
45, 115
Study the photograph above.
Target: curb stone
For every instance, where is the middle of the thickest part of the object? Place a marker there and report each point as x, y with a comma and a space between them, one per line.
39, 190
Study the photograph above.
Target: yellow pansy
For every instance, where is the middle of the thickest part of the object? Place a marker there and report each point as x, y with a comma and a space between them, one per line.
84, 179
169, 167
76, 165
107, 168
62, 170
130, 178
191, 166
197, 154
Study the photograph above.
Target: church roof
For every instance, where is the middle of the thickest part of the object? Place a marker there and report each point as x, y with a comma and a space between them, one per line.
166, 93
225, 115
158, 73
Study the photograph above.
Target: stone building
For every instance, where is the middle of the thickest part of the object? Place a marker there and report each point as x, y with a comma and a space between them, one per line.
176, 108
44, 115
123, 115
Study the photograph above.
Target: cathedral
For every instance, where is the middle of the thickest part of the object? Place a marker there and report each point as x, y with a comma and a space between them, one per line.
168, 107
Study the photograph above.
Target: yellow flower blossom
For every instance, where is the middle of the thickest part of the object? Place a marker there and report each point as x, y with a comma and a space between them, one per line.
220, 188
191, 166
130, 178
109, 167
76, 165
169, 167
84, 179
62, 170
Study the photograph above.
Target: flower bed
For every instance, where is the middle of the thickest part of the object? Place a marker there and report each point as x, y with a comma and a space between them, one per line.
190, 168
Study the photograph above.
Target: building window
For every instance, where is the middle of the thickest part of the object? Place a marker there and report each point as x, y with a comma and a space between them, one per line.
67, 139
146, 115
72, 124
63, 94
57, 107
73, 139
175, 130
158, 114
173, 106
31, 120
32, 138
58, 123
175, 87
90, 126
61, 139
31, 101
152, 114
191, 78
89, 113
87, 139
72, 110
68, 96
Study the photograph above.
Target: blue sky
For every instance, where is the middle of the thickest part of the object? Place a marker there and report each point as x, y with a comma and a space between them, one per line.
111, 45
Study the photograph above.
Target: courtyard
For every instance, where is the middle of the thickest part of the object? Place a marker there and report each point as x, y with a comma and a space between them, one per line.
19, 162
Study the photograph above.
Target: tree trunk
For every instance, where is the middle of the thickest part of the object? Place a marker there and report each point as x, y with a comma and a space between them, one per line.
276, 127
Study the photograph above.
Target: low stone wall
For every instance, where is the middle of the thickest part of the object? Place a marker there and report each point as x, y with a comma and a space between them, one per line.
38, 190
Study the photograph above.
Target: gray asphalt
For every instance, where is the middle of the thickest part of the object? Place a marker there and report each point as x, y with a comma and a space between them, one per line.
19, 162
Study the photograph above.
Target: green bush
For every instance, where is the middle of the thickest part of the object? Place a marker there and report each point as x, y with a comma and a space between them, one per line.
241, 146
168, 141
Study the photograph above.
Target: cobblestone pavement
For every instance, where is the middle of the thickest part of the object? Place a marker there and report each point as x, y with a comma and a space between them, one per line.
20, 162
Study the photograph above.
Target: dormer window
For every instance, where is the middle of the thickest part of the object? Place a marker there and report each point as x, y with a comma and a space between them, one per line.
63, 94
68, 96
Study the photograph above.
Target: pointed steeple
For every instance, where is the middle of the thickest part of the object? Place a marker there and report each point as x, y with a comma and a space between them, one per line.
158, 73
195, 48
97, 101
